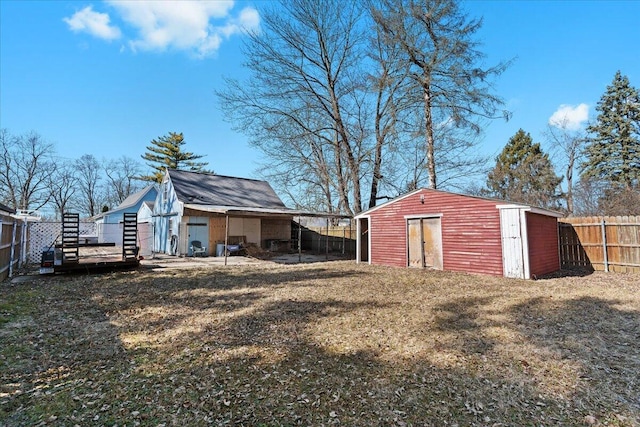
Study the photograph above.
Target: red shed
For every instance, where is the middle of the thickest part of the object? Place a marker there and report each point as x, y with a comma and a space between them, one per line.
447, 231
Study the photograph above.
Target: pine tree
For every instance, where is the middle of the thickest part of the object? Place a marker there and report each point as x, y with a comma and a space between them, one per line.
613, 145
524, 174
166, 153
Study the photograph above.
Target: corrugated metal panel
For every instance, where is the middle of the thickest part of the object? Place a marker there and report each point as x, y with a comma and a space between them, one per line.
470, 231
544, 254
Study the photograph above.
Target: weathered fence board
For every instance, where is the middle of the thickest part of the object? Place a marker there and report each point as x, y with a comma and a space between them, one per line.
12, 243
601, 243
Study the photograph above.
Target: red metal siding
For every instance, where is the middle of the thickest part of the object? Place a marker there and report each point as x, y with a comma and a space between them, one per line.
470, 231
542, 232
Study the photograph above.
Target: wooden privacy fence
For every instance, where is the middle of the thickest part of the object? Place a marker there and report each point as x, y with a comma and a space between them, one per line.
610, 243
12, 245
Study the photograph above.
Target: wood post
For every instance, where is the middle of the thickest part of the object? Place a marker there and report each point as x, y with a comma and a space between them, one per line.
226, 237
604, 245
326, 245
299, 239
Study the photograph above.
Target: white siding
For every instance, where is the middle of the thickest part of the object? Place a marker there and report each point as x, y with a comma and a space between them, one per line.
513, 229
167, 215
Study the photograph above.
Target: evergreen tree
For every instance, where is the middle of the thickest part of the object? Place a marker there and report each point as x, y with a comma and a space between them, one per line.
166, 153
613, 145
524, 174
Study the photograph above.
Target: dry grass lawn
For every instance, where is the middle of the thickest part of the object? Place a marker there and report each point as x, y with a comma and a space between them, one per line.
321, 344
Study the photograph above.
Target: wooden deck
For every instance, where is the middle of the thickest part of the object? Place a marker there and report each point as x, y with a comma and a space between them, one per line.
96, 259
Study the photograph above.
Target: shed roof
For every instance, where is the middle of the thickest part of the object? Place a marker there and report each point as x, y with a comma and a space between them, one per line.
259, 211
502, 204
221, 194
5, 208
219, 190
134, 198
130, 201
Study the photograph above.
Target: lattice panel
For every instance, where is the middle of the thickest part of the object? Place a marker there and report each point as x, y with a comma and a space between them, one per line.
44, 234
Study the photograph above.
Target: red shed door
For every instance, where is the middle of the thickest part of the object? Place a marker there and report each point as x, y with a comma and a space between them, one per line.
425, 243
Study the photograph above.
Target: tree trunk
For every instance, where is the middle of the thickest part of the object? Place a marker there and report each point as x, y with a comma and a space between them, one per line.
570, 185
377, 160
428, 119
343, 190
376, 176
322, 171
352, 163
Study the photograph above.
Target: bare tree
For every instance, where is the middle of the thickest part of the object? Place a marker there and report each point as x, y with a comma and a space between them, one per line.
63, 184
619, 200
387, 78
595, 196
449, 87
27, 162
306, 164
305, 94
334, 110
122, 178
586, 196
567, 144
91, 196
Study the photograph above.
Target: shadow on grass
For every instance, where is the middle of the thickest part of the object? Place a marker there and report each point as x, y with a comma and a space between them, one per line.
66, 344
593, 332
281, 324
465, 319
568, 272
261, 363
175, 295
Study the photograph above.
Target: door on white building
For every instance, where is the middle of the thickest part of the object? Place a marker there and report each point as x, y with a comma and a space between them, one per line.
198, 229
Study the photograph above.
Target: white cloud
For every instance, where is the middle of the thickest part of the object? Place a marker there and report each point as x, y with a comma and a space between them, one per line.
195, 26
570, 117
250, 19
94, 23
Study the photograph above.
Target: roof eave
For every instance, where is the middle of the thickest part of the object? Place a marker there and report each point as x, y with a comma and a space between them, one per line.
532, 209
366, 213
247, 210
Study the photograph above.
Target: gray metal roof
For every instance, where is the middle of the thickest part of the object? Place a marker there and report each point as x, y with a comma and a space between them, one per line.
219, 190
128, 202
5, 208
134, 198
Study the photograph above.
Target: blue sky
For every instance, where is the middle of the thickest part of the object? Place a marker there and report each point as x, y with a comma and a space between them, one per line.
105, 78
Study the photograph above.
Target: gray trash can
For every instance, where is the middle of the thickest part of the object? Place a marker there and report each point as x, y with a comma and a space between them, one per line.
220, 249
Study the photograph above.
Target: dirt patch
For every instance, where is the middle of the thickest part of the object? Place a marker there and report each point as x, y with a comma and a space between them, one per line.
264, 260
